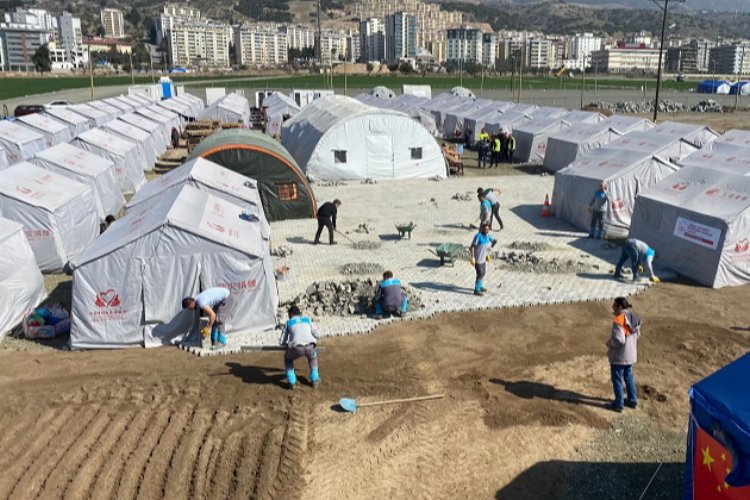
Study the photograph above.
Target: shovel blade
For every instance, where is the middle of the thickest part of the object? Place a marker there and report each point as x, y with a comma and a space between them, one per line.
348, 404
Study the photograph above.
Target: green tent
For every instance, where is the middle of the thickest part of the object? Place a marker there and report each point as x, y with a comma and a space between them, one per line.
284, 191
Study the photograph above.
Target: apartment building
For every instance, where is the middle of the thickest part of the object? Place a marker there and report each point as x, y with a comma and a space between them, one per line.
624, 58
70, 40
401, 36
19, 43
465, 45
489, 50
541, 53
173, 14
260, 45
333, 46
730, 59
199, 44
38, 18
583, 44
299, 37
113, 22
372, 40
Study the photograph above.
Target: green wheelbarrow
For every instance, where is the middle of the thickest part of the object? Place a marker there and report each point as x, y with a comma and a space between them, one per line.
448, 252
405, 229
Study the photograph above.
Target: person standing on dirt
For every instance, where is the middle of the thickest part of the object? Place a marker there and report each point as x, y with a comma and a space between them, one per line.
598, 208
622, 351
209, 302
640, 255
390, 297
300, 337
327, 218
480, 256
491, 196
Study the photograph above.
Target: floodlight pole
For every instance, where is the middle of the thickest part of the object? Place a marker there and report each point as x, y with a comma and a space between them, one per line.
661, 52
739, 80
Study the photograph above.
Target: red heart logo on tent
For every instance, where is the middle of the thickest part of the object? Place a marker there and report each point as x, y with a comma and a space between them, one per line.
216, 227
110, 298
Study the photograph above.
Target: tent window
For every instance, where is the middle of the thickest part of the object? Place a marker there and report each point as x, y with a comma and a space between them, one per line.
287, 191
339, 156
416, 153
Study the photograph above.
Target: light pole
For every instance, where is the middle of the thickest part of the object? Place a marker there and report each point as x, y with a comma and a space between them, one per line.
739, 80
664, 9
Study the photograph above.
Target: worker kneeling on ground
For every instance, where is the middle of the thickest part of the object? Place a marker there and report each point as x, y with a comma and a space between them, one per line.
209, 302
641, 255
300, 337
390, 297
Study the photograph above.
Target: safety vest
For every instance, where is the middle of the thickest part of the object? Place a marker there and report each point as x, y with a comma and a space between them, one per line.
496, 145
390, 282
620, 320
296, 320
512, 144
484, 136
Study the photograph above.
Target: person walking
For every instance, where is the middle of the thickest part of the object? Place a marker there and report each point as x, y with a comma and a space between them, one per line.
480, 256
491, 196
300, 338
210, 302
485, 209
390, 297
327, 218
622, 352
598, 208
641, 255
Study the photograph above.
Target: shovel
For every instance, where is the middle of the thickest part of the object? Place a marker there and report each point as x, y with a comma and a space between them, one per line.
345, 236
350, 405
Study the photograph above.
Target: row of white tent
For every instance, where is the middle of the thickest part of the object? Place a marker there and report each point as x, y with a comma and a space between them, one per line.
682, 188
230, 108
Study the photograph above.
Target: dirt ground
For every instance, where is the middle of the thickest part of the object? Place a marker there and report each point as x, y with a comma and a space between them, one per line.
523, 414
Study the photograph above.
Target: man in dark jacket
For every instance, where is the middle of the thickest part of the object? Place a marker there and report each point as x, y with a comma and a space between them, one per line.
327, 218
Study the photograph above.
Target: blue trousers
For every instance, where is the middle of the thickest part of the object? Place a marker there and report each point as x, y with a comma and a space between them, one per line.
622, 375
628, 252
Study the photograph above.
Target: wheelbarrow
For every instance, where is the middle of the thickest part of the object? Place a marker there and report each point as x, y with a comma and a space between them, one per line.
448, 252
405, 229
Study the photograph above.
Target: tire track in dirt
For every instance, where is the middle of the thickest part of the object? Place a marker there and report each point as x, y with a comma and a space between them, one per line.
290, 480
200, 475
35, 472
14, 468
70, 461
178, 482
268, 463
226, 460
155, 470
21, 437
244, 473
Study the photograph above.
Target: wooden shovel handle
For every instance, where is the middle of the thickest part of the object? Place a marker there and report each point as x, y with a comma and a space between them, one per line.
406, 400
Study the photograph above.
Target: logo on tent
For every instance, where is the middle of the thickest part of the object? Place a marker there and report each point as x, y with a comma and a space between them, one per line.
742, 246
216, 227
618, 204
680, 186
713, 191
110, 298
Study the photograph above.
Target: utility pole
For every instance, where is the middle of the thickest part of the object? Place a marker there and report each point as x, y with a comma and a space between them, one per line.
132, 77
664, 8
583, 82
739, 79
520, 69
91, 74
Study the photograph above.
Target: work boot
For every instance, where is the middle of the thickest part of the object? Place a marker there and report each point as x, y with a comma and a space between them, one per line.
315, 378
478, 293
291, 379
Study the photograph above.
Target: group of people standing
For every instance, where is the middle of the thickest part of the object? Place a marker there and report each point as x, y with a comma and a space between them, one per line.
493, 149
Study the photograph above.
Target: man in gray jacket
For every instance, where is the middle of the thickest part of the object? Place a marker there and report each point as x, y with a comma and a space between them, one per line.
623, 352
301, 339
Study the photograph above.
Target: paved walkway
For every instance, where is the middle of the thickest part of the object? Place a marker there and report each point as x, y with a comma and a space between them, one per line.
440, 219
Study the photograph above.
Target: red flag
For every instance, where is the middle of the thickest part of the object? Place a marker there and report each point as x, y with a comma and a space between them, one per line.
711, 464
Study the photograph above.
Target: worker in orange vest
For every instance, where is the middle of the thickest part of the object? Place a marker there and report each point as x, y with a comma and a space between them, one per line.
623, 353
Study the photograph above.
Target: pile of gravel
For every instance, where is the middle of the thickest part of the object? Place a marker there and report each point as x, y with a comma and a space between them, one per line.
364, 228
529, 246
665, 106
530, 263
366, 245
330, 183
361, 268
346, 298
282, 251
463, 197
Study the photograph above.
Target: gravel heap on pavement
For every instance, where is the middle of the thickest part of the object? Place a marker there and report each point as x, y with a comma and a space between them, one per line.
346, 298
665, 106
369, 181
366, 245
361, 268
463, 197
282, 251
330, 183
530, 263
529, 246
364, 228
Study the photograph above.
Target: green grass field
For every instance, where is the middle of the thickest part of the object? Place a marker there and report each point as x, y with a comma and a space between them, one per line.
18, 87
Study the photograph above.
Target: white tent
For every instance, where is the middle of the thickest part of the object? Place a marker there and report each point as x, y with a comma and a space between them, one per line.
337, 137
112, 112
424, 91
565, 146
23, 284
169, 121
625, 124
527, 109
122, 107
142, 139
181, 108
506, 122
54, 131
411, 105
154, 128
124, 154
232, 108
130, 101
86, 168
195, 104
76, 122
590, 117
462, 92
99, 117
20, 143
277, 109
626, 172
531, 137
55, 211
697, 135
721, 156
441, 103
454, 123
698, 220
3, 158
667, 147
144, 99
551, 112
128, 286
381, 92
735, 137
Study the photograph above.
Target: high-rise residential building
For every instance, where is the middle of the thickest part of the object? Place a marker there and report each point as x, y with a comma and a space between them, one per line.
172, 14
70, 40
200, 44
181, 10
19, 43
582, 47
260, 45
489, 50
37, 18
299, 37
333, 46
730, 59
373, 42
353, 46
401, 36
465, 45
113, 22
703, 52
541, 53
624, 58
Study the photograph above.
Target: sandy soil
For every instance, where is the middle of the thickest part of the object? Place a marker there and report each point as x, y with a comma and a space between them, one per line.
523, 409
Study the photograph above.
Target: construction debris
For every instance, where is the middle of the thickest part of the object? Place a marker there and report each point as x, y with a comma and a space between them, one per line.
282, 251
347, 298
665, 106
330, 183
462, 197
530, 263
364, 229
366, 245
530, 246
361, 268
369, 180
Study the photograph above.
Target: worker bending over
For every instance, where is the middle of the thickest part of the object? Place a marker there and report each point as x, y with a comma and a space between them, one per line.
390, 297
641, 255
209, 302
300, 337
491, 196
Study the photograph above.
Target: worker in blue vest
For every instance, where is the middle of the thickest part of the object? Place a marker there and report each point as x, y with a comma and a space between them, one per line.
300, 337
485, 209
480, 256
209, 302
390, 297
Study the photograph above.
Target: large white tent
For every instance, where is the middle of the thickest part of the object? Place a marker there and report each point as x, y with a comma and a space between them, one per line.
20, 143
668, 147
23, 284
551, 112
571, 143
112, 112
86, 168
55, 211
121, 106
128, 285
505, 122
624, 124
337, 137
144, 99
590, 117
195, 102
124, 154
697, 135
181, 108
156, 130
381, 92
462, 92
232, 108
3, 158
531, 137
412, 105
626, 172
721, 156
142, 139
453, 121
698, 220
76, 122
278, 108
99, 117
735, 137
54, 131
130, 101
170, 122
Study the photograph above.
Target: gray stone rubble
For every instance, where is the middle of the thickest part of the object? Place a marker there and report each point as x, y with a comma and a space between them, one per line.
463, 196
282, 251
537, 246
366, 245
361, 268
364, 229
665, 106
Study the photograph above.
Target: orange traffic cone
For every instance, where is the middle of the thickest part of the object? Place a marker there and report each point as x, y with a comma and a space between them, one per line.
546, 209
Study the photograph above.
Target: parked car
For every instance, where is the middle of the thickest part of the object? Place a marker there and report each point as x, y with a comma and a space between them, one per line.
27, 109
55, 104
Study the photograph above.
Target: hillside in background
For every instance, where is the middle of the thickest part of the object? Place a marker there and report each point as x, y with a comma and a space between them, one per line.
689, 5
